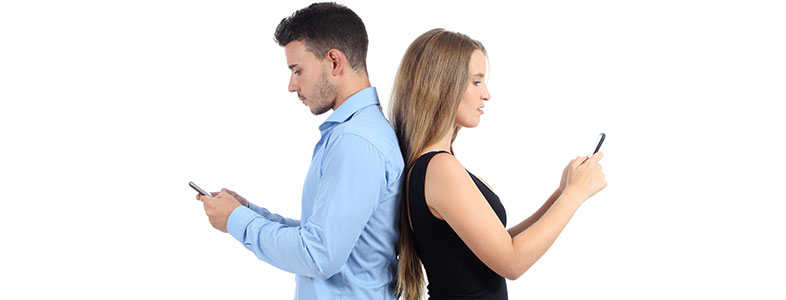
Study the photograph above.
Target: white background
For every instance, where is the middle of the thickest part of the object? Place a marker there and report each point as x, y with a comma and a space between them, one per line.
109, 108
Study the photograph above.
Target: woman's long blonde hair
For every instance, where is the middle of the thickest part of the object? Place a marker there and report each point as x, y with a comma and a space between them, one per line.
430, 82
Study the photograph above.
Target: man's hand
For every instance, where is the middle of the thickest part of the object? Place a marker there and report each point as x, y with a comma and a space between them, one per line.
219, 207
239, 198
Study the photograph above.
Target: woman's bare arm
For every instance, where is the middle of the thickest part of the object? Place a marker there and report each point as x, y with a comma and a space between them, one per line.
452, 195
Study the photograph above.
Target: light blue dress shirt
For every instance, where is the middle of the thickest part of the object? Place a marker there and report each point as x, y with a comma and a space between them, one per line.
344, 245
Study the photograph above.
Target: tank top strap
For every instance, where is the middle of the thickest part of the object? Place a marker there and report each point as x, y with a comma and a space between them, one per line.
417, 175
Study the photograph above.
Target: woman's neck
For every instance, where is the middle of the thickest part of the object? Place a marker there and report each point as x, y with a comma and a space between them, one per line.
443, 144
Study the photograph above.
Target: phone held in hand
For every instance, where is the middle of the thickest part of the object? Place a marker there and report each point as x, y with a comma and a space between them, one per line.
198, 189
599, 142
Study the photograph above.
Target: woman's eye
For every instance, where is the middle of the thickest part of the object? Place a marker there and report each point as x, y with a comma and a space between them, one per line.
477, 83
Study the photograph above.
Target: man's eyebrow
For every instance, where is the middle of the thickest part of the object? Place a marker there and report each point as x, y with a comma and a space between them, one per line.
292, 66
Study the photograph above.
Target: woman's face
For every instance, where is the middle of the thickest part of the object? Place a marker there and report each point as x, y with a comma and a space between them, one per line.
471, 106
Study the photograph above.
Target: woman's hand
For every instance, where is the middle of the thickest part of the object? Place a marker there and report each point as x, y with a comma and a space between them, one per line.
584, 177
563, 182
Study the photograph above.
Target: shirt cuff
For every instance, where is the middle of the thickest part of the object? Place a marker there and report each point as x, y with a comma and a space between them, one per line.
238, 221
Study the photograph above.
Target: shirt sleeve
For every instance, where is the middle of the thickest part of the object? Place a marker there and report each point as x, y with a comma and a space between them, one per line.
349, 189
273, 217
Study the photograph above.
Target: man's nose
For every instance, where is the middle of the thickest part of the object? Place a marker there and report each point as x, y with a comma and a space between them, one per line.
292, 85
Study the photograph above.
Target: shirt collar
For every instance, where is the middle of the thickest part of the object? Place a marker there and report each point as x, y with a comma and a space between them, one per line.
354, 103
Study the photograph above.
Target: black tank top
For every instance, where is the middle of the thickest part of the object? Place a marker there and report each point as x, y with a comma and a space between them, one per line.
453, 271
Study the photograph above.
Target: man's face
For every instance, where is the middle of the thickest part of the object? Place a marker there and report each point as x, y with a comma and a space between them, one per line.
309, 78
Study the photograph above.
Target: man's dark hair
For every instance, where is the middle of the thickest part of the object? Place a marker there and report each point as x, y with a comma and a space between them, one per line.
324, 26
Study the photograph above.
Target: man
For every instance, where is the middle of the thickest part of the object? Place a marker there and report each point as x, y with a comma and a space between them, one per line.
344, 245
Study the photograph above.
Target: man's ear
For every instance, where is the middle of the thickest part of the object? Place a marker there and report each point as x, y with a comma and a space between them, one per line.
337, 61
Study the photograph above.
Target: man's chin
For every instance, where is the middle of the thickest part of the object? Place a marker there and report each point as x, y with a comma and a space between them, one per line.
318, 110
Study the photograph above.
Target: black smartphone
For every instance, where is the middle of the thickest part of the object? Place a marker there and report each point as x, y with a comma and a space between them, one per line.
595, 149
198, 189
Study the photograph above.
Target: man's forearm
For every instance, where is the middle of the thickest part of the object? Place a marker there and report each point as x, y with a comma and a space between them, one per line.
301, 250
273, 217
273, 242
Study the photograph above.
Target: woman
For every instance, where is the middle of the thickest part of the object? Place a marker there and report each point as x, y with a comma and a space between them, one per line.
451, 221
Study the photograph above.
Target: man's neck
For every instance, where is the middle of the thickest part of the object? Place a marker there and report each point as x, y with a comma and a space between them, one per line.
350, 87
